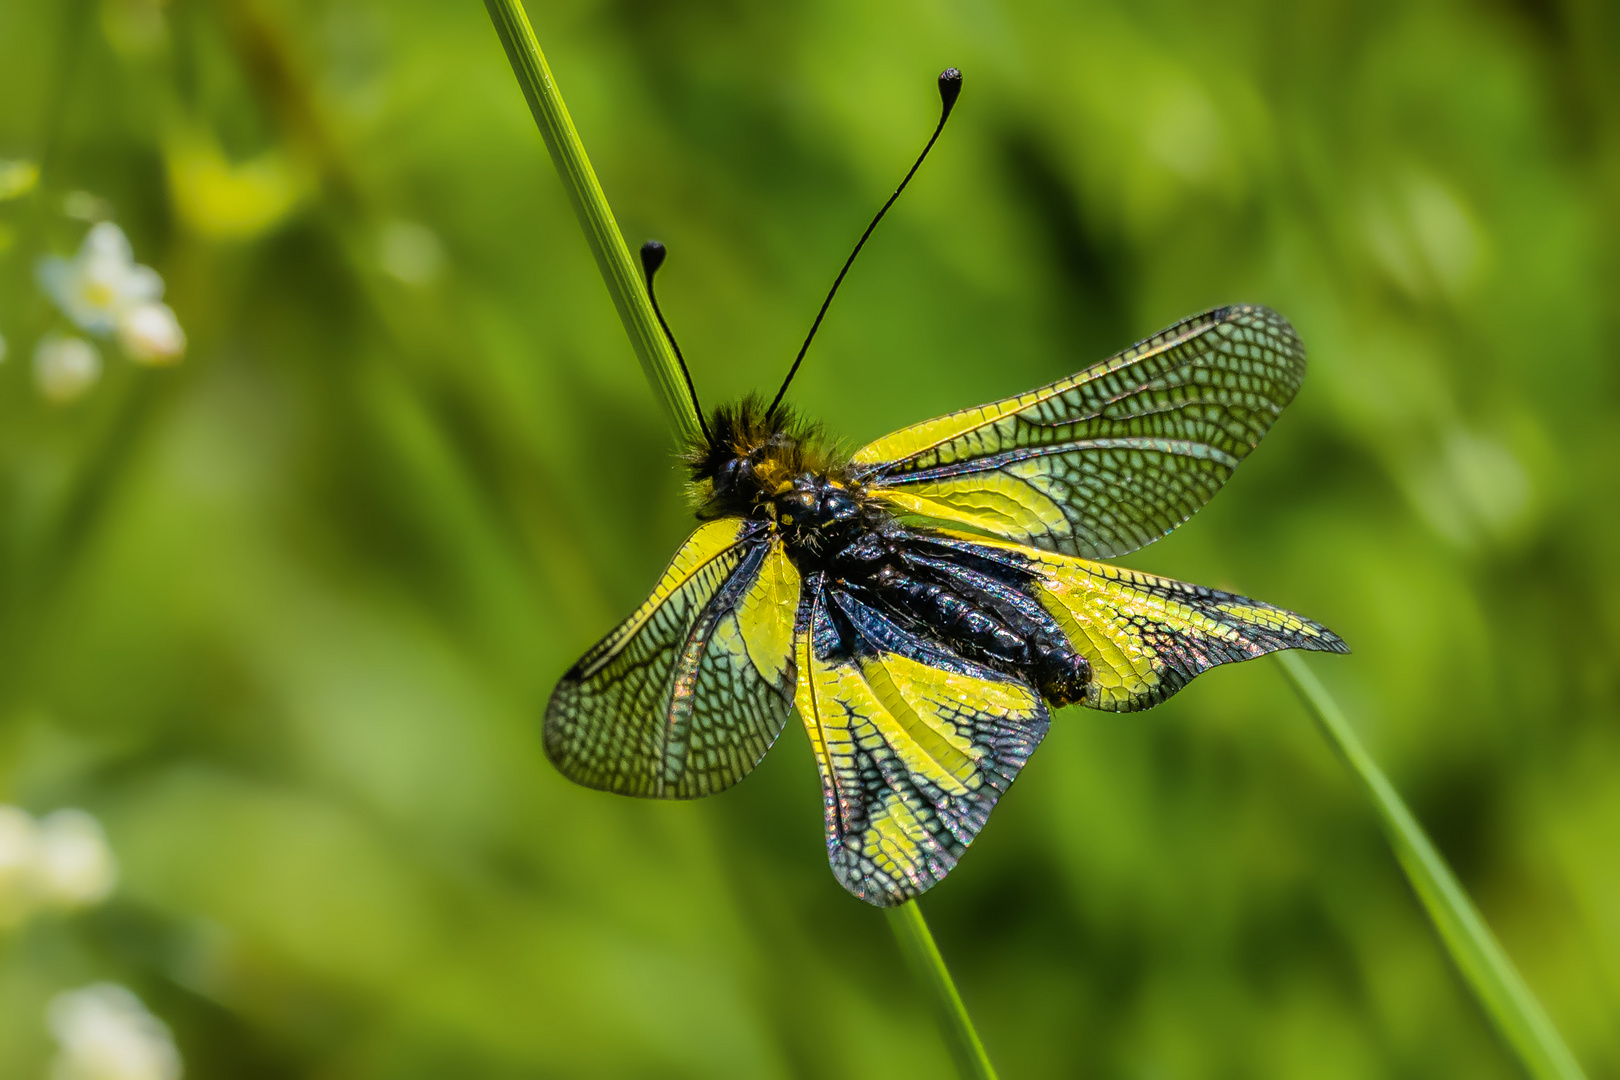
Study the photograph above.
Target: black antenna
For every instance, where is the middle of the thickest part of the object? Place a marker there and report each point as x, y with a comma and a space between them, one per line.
652, 257
950, 86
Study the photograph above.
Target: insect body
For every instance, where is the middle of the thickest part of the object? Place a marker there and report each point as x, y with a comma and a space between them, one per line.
924, 601
832, 524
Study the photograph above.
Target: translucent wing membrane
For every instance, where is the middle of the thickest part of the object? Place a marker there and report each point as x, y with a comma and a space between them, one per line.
1146, 637
914, 744
1108, 460
685, 696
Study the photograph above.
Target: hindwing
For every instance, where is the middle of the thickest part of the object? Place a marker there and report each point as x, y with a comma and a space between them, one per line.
914, 743
1108, 460
684, 697
1144, 636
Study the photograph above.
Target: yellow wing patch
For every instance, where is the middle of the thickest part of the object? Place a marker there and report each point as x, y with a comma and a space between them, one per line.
765, 615
992, 503
914, 746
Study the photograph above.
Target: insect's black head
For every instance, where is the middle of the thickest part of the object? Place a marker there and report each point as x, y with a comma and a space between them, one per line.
751, 456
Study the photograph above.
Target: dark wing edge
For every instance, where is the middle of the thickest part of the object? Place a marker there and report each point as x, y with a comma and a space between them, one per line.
1108, 460
914, 744
1179, 631
684, 698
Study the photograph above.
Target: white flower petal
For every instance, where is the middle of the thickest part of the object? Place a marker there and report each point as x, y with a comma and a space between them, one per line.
65, 367
151, 334
141, 285
86, 292
102, 283
75, 866
105, 1033
106, 240
55, 276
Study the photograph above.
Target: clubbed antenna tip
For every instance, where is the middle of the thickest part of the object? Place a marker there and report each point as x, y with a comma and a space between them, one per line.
652, 257
652, 252
950, 87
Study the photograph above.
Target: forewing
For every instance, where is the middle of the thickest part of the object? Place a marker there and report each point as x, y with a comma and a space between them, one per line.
1144, 636
914, 744
684, 697
1108, 460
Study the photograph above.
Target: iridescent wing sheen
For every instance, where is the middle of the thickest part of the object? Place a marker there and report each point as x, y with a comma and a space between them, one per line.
1108, 460
1144, 636
914, 744
684, 697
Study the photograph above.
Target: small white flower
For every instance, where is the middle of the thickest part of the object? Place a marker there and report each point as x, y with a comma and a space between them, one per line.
105, 1033
74, 865
100, 285
105, 291
152, 335
65, 367
61, 861
19, 851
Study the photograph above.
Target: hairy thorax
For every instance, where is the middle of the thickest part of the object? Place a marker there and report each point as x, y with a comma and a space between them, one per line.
781, 473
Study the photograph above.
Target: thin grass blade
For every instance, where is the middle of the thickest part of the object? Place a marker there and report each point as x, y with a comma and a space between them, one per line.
1486, 969
664, 376
595, 216
922, 956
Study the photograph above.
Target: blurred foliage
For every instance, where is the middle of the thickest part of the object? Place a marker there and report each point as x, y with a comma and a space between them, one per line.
284, 615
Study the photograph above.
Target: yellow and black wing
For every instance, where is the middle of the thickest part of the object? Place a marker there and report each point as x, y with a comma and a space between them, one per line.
1108, 460
684, 697
914, 743
1144, 636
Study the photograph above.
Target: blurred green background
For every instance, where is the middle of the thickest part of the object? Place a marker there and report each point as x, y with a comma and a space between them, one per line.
284, 615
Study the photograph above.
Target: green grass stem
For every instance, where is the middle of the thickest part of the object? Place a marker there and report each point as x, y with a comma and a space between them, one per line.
1473, 948
922, 956
624, 283
619, 270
